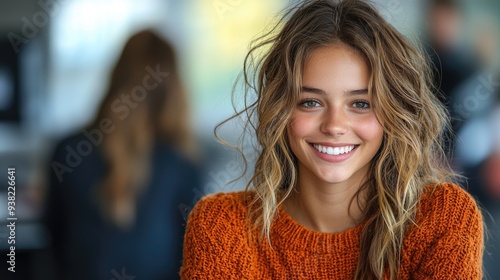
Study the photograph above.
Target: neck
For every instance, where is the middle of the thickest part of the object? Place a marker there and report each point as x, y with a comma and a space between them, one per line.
324, 207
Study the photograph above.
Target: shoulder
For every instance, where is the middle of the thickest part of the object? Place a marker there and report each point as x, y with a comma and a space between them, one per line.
449, 203
69, 141
172, 163
216, 244
446, 242
221, 210
77, 159
73, 148
167, 152
446, 212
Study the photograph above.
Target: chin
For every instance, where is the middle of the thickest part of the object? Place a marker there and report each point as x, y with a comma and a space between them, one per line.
330, 177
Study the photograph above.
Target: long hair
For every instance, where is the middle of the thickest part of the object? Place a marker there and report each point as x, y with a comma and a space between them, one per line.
145, 102
403, 98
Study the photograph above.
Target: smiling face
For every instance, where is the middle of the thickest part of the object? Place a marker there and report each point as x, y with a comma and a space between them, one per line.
334, 132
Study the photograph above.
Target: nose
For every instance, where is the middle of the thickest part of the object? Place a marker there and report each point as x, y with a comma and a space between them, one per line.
335, 122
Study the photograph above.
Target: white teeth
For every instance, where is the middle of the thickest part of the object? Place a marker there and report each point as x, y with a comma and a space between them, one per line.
334, 151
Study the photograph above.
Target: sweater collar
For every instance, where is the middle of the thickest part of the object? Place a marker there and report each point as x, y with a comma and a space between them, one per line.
287, 234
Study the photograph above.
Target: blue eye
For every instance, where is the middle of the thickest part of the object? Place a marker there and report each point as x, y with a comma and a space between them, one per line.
309, 103
361, 104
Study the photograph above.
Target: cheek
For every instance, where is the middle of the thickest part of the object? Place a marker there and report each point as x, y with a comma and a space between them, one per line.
300, 126
371, 129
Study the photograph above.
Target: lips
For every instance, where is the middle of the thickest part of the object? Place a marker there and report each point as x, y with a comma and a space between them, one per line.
339, 150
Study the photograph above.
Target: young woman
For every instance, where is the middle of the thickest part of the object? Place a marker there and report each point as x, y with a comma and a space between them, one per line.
351, 178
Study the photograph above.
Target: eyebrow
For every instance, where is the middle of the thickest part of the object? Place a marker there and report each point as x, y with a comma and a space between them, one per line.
348, 93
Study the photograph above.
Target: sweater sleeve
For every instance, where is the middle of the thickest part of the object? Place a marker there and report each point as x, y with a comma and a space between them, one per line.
215, 243
454, 245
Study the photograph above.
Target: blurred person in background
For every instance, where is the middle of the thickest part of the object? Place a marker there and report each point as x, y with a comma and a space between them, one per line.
116, 187
464, 51
475, 100
452, 60
478, 158
477, 150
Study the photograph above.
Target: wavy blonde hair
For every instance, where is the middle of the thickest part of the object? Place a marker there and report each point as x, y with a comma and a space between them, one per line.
403, 98
161, 116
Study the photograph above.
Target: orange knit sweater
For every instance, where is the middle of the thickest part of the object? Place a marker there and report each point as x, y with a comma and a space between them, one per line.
447, 244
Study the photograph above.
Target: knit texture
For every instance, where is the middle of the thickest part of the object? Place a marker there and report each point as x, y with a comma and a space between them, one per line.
447, 242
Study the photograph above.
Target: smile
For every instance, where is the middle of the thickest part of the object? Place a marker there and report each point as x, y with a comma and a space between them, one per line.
334, 151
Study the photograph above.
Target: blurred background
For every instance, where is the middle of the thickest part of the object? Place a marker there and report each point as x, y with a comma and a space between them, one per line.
55, 63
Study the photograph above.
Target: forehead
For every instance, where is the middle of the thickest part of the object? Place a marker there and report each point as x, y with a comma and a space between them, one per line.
335, 68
